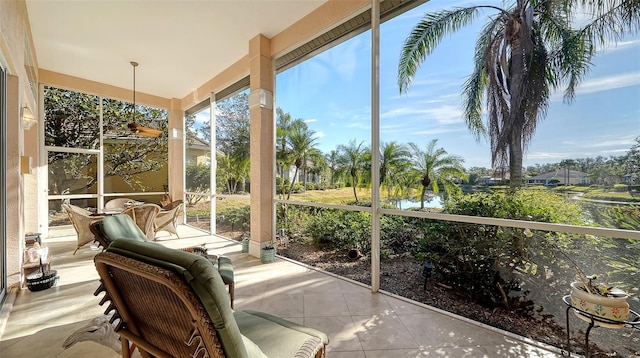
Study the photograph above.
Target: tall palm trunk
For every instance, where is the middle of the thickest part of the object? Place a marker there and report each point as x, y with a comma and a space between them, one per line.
515, 160
426, 181
518, 72
293, 181
353, 183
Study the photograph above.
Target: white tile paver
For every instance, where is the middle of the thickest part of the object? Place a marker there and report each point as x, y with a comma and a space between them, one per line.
360, 324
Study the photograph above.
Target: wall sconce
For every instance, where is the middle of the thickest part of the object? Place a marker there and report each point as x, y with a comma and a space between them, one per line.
262, 98
28, 119
176, 133
26, 165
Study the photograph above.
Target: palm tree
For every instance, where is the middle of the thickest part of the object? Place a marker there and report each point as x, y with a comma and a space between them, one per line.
302, 142
283, 125
319, 164
437, 167
522, 53
394, 166
332, 163
393, 156
353, 160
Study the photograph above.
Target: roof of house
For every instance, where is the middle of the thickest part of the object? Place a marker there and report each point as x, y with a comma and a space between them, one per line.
560, 174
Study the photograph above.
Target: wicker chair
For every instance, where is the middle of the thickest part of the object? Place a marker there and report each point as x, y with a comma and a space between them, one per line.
121, 226
144, 216
119, 204
81, 219
167, 218
173, 304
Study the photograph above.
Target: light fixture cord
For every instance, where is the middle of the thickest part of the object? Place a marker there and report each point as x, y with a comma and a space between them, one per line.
133, 111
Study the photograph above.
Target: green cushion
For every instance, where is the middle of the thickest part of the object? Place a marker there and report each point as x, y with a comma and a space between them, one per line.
119, 226
275, 336
203, 278
225, 269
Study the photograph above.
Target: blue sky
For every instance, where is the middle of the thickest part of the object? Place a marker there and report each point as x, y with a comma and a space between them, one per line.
331, 93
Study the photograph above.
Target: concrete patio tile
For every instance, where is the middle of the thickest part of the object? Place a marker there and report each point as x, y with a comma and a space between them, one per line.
290, 283
437, 330
362, 304
349, 354
341, 332
321, 283
382, 331
467, 352
402, 307
349, 287
248, 302
360, 324
283, 305
325, 305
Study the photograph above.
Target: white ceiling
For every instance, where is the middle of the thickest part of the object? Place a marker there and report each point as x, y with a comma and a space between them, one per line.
179, 44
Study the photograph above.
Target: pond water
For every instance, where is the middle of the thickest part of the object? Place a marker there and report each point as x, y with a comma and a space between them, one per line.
431, 202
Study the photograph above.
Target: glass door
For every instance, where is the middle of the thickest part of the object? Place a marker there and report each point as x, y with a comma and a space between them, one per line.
3, 188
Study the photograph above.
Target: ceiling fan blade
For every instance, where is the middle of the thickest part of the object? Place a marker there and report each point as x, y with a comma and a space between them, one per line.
143, 131
148, 132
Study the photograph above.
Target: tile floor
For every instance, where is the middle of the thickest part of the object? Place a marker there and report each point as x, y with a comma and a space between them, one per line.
359, 323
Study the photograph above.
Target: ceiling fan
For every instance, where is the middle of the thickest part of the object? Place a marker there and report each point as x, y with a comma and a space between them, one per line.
134, 127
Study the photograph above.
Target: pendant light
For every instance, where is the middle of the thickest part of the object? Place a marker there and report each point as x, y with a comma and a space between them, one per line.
134, 127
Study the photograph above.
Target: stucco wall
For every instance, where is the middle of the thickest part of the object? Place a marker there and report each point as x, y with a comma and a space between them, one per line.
14, 37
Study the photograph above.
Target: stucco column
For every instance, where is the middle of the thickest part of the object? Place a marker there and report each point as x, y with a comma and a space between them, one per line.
176, 150
262, 139
15, 189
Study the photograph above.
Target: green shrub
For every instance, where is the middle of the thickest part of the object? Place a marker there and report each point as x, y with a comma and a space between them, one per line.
238, 217
345, 230
600, 194
282, 185
297, 188
620, 187
340, 229
483, 259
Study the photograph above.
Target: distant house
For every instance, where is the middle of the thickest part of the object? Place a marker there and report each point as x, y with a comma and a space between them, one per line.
311, 176
197, 151
499, 176
631, 179
560, 177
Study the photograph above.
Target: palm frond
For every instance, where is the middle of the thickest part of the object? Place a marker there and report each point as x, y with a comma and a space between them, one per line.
475, 86
424, 38
612, 20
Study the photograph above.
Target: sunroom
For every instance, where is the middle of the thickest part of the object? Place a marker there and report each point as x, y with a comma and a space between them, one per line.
70, 91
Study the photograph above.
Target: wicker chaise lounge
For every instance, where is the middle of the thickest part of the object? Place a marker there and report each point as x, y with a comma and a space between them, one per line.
173, 304
121, 226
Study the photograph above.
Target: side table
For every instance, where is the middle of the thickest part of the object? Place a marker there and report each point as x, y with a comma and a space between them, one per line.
597, 321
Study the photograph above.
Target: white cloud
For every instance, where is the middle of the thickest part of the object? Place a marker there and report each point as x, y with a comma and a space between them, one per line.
601, 84
440, 130
444, 114
616, 152
319, 134
604, 141
545, 155
310, 120
201, 118
621, 45
607, 83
